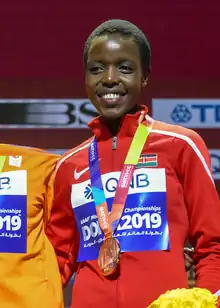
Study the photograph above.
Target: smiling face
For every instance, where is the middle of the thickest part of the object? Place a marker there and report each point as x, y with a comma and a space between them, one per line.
114, 75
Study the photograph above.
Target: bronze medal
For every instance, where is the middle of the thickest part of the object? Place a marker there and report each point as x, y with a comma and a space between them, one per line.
109, 255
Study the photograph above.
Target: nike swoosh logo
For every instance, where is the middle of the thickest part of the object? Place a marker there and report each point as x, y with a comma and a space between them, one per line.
77, 175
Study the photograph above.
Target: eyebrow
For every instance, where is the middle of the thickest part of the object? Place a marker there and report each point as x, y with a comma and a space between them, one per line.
120, 61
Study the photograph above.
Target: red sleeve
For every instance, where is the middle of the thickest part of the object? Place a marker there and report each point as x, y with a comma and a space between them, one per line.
203, 205
61, 229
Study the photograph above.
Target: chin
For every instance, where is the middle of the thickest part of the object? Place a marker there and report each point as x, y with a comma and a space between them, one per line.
112, 113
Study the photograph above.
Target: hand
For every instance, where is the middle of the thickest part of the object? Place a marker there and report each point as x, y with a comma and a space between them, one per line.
188, 258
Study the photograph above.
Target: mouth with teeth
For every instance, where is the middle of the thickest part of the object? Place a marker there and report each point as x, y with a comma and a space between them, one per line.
112, 98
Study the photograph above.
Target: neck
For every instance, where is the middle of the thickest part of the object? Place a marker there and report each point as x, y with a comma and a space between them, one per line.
114, 124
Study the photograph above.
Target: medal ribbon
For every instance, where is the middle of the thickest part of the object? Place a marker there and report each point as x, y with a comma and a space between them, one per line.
108, 223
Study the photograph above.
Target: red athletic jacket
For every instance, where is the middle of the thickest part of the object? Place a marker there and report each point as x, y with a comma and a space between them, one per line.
193, 212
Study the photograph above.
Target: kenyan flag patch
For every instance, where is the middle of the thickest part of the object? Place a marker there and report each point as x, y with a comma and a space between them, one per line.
147, 160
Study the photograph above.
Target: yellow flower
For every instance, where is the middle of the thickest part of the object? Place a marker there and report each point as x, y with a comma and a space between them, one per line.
186, 298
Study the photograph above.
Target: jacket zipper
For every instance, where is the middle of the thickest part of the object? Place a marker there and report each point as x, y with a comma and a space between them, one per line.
114, 143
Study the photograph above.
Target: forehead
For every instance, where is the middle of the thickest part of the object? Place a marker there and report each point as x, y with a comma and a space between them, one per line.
113, 47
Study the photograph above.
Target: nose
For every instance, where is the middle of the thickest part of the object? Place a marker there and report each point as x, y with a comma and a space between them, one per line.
110, 77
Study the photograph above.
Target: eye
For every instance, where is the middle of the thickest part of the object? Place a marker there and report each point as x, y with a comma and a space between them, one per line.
126, 69
95, 70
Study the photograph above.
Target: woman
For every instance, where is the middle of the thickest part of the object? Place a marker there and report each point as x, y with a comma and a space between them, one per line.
153, 178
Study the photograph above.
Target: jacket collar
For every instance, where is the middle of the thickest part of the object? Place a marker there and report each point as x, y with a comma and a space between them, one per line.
128, 126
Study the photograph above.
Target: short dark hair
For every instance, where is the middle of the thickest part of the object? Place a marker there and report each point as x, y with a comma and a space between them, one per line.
125, 28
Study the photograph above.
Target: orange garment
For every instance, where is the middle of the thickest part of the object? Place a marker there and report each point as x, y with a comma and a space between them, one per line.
29, 279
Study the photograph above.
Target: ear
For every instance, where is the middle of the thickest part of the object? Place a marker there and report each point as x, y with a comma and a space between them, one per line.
144, 82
